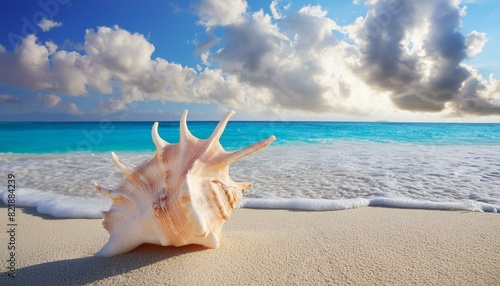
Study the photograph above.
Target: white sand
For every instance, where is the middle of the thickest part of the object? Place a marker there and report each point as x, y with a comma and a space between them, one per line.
364, 246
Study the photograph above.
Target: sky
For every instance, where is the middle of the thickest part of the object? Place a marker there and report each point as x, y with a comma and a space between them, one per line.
344, 60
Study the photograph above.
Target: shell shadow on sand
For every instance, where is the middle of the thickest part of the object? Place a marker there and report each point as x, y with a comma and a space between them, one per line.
92, 269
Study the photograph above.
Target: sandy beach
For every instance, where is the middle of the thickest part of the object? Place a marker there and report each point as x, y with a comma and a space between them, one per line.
364, 246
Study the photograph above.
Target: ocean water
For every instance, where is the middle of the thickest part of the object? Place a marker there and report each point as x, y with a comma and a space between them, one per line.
311, 166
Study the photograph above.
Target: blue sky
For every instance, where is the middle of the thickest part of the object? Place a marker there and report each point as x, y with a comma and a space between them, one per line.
395, 60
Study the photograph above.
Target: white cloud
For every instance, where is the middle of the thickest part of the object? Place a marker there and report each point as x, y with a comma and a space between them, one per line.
274, 10
49, 100
6, 98
220, 12
72, 73
46, 24
126, 55
475, 42
315, 11
277, 10
205, 58
28, 66
303, 69
51, 47
72, 109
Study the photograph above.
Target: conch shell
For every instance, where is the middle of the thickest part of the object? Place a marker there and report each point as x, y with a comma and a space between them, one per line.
182, 195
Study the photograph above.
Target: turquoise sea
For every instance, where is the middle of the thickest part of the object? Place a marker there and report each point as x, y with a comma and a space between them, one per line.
59, 137
311, 165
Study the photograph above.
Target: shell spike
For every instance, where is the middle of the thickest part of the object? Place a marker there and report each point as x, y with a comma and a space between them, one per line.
125, 168
236, 155
220, 128
244, 185
104, 191
159, 143
185, 133
112, 194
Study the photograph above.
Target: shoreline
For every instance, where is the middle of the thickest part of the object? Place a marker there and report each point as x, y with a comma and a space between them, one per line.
368, 245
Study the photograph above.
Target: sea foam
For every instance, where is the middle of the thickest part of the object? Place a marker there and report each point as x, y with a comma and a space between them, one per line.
57, 205
312, 177
62, 206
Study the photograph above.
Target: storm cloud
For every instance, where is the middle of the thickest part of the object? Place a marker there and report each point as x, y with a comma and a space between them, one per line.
414, 50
